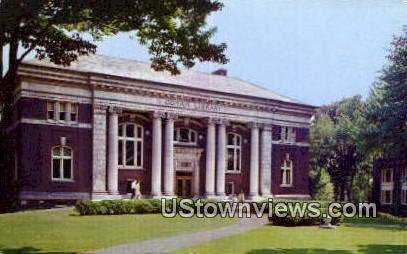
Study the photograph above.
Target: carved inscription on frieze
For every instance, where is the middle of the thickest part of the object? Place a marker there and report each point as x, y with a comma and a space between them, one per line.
194, 105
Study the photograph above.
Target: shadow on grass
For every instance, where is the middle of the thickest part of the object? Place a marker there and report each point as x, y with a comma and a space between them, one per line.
29, 250
383, 249
298, 251
376, 223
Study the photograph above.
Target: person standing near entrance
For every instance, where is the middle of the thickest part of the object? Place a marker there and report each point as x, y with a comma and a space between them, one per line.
133, 188
137, 189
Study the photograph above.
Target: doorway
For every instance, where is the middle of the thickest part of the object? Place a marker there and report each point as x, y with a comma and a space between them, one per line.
184, 186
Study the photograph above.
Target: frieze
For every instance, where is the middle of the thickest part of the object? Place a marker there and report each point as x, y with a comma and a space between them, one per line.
194, 105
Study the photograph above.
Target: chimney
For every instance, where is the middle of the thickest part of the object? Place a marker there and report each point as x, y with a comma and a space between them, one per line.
220, 72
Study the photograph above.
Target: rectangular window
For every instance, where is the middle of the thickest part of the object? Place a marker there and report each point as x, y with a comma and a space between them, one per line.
51, 110
404, 175
139, 153
130, 153
288, 134
386, 197
67, 168
56, 168
404, 197
387, 175
230, 159
120, 152
74, 112
62, 111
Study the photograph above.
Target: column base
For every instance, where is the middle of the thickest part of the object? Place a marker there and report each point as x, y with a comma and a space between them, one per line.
156, 196
210, 196
97, 196
255, 197
221, 197
266, 196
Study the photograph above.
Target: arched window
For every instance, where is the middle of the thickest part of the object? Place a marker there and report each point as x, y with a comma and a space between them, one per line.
185, 136
234, 148
62, 163
287, 172
131, 146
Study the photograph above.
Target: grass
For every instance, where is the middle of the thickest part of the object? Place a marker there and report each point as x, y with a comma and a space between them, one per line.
375, 235
63, 231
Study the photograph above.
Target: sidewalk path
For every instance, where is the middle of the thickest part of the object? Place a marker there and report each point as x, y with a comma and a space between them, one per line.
164, 245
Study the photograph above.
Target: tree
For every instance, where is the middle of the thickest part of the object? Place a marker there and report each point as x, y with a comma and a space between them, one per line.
174, 31
387, 105
322, 141
336, 145
387, 113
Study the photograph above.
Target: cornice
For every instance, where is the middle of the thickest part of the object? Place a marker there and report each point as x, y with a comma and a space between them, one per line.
103, 82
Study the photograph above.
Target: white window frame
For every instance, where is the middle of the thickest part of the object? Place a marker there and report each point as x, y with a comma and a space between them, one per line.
404, 195
237, 149
383, 196
134, 139
61, 158
54, 107
67, 112
288, 134
288, 165
383, 174
177, 136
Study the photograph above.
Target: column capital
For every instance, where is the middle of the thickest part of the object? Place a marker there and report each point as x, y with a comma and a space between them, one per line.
221, 121
171, 115
158, 114
210, 120
99, 108
115, 110
266, 127
253, 125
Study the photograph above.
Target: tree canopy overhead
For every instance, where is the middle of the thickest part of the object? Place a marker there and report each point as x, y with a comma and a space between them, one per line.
174, 31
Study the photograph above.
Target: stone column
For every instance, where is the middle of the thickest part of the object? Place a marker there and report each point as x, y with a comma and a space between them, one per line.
113, 153
169, 173
254, 162
156, 155
265, 161
221, 160
196, 176
210, 159
99, 152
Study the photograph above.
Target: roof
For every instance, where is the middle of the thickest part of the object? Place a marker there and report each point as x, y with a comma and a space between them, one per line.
188, 78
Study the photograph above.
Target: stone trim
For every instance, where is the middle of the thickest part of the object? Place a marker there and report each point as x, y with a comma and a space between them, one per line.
37, 195
293, 196
53, 123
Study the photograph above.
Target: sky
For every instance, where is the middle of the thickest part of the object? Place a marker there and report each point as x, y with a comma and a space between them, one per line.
316, 51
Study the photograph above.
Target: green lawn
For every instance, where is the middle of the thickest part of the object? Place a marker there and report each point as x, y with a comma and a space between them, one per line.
63, 231
356, 236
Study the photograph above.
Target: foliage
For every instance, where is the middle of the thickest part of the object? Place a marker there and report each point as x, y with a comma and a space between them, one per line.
117, 207
322, 138
174, 31
387, 105
337, 147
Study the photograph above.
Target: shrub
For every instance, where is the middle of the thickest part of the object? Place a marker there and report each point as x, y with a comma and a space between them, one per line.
116, 207
306, 220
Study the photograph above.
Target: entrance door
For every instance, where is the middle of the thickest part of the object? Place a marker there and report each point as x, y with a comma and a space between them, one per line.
184, 186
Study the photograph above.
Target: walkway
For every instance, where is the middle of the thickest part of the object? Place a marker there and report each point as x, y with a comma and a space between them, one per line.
164, 245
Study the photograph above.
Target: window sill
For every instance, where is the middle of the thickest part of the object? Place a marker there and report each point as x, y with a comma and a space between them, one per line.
63, 180
233, 172
131, 168
287, 185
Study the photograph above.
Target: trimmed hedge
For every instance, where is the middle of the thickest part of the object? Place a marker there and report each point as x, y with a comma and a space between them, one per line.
117, 207
306, 220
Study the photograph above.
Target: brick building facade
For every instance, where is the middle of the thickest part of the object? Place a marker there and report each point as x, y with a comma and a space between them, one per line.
86, 131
